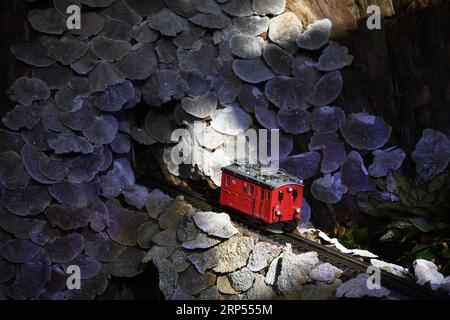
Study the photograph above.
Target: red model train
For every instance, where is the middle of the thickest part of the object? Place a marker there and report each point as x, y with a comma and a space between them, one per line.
271, 196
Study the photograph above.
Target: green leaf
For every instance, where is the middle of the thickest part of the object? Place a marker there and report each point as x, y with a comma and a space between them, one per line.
446, 253
437, 183
391, 235
422, 224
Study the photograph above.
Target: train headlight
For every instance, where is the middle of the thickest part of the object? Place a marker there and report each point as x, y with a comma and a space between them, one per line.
290, 189
278, 213
298, 210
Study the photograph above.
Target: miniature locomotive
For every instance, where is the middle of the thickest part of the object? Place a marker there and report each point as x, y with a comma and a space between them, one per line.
271, 196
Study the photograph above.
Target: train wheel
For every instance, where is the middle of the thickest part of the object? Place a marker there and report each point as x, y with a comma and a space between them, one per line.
289, 226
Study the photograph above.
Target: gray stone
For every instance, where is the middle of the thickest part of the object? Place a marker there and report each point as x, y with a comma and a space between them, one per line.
224, 285
212, 293
426, 273
357, 288
145, 234
205, 261
260, 290
166, 238
171, 217
167, 277
157, 252
319, 291
262, 254
179, 260
242, 280
181, 294
201, 241
234, 253
325, 272
215, 224
193, 282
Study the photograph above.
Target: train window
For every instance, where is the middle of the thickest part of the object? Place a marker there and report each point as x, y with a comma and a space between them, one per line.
228, 180
262, 194
280, 196
295, 195
252, 189
268, 195
245, 188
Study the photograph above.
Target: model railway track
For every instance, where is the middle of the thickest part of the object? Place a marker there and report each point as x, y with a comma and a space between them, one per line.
406, 287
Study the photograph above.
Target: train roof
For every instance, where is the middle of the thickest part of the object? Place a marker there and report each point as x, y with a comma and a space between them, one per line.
269, 178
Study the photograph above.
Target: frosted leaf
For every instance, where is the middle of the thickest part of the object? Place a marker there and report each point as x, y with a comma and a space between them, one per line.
61, 5
306, 211
38, 137
47, 21
146, 8
76, 195
231, 120
139, 63
327, 119
101, 247
188, 38
142, 137
103, 76
145, 234
113, 98
269, 7
210, 21
7, 270
200, 107
159, 126
41, 233
26, 90
167, 276
71, 97
303, 70
51, 116
80, 119
14, 224
97, 3
157, 203
85, 167
329, 189
198, 84
22, 117
89, 266
246, 47
316, 35
123, 223
238, 8
109, 49
163, 86
67, 218
30, 158
116, 29
209, 138
267, 118
365, 131
432, 154
66, 248
303, 166
53, 167
91, 24
333, 150
121, 144
12, 172
65, 50
143, 34
355, 175
55, 76
30, 200
252, 70
85, 64
334, 57
185, 8
120, 176
67, 142
92, 287
385, 161
327, 89
120, 10
295, 121
225, 83
251, 98
18, 251
284, 31
136, 195
215, 224
128, 264
287, 92
252, 26
200, 58
168, 23
279, 60
286, 145
10, 141
103, 131
99, 216
32, 53
108, 158
166, 50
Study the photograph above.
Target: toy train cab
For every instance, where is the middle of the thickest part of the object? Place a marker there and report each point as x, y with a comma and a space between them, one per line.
272, 196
